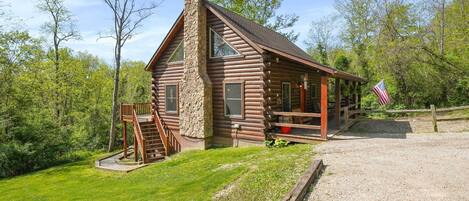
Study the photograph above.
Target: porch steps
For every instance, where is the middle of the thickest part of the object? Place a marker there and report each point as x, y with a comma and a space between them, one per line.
153, 144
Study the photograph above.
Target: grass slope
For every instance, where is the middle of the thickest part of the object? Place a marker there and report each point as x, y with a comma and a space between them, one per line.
253, 173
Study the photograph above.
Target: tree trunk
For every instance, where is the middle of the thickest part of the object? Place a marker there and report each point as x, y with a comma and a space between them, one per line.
57, 77
112, 132
442, 29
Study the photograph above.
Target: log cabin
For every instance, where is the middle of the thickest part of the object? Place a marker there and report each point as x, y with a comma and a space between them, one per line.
221, 79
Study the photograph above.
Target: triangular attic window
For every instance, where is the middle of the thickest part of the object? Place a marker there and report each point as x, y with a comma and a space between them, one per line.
178, 54
219, 47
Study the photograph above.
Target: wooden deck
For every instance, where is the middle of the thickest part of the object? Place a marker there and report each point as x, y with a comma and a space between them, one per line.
309, 136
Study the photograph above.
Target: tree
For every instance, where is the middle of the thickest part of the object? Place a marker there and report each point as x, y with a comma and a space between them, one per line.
62, 28
128, 17
342, 63
320, 39
264, 13
360, 25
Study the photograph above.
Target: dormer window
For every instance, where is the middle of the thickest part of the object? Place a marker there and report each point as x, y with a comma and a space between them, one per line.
178, 54
219, 47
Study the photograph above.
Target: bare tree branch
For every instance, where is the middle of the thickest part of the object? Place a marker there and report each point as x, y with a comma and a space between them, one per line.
128, 17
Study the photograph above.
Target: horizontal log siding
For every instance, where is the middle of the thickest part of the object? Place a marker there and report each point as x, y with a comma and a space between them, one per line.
164, 74
249, 68
286, 71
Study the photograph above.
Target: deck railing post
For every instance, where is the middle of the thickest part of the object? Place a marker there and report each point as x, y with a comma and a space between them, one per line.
124, 136
135, 148
434, 120
346, 118
324, 106
338, 100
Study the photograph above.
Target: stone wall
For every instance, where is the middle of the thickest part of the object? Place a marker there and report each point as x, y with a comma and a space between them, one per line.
195, 96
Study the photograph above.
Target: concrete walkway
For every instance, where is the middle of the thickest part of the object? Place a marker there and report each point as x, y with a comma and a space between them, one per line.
111, 163
414, 167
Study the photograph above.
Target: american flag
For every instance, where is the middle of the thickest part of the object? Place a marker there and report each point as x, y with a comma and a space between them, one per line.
380, 91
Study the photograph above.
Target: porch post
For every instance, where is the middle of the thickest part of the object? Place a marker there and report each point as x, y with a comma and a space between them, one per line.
359, 96
347, 98
355, 96
124, 136
338, 99
324, 106
302, 101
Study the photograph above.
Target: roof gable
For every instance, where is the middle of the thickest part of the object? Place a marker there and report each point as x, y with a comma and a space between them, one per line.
177, 26
259, 37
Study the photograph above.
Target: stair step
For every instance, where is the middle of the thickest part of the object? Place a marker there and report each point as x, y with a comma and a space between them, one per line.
153, 140
151, 137
148, 128
149, 131
157, 145
156, 157
155, 150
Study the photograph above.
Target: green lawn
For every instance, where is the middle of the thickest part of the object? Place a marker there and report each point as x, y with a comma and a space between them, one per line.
253, 173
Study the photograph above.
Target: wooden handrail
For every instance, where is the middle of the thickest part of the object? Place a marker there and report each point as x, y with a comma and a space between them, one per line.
139, 136
163, 135
305, 126
142, 108
297, 114
126, 110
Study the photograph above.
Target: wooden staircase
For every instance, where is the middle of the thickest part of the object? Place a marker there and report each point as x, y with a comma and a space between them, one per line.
152, 141
154, 148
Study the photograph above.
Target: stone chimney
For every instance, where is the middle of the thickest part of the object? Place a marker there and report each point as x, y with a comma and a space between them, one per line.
195, 117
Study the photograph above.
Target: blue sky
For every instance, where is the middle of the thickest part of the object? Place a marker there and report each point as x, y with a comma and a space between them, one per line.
93, 17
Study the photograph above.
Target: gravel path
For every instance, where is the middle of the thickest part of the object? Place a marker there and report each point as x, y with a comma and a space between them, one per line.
395, 167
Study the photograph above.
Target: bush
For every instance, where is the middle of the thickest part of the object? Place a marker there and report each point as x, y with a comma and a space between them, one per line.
277, 143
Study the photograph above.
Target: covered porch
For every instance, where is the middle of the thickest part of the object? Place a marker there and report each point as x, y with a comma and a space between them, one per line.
337, 95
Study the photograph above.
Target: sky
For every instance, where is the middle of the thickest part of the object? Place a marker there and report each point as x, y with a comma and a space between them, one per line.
93, 17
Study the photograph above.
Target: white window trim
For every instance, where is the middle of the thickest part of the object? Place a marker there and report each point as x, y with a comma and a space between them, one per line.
174, 52
226, 42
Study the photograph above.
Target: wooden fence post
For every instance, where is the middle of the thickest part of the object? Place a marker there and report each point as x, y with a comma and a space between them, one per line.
434, 120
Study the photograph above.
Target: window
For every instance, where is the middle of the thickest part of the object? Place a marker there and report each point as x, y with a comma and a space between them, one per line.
286, 97
178, 54
233, 99
219, 47
171, 96
314, 91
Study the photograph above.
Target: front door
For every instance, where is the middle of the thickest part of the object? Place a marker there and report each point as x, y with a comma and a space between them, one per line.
286, 97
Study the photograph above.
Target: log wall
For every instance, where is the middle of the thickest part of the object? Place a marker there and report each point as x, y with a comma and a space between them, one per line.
249, 68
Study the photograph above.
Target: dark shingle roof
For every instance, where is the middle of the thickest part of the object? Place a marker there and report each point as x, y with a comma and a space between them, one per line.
263, 35
262, 38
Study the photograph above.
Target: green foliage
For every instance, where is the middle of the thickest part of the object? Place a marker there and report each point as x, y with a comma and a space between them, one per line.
264, 13
277, 143
255, 173
31, 135
342, 63
399, 41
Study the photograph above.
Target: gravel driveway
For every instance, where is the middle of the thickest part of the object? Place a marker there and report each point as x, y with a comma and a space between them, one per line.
395, 167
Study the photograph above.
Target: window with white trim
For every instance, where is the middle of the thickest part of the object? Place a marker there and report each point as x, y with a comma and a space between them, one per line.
219, 47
